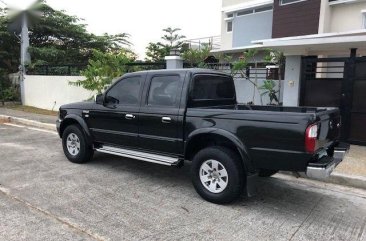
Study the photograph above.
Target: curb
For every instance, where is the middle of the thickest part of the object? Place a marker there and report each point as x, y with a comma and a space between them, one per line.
337, 178
348, 180
26, 122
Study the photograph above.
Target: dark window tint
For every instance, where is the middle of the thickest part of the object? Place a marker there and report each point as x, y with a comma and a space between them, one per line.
229, 26
257, 10
125, 91
206, 87
284, 2
245, 12
164, 90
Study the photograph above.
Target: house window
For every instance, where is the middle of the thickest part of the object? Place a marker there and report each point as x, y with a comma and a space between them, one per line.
255, 10
364, 19
263, 9
285, 2
229, 26
230, 15
245, 12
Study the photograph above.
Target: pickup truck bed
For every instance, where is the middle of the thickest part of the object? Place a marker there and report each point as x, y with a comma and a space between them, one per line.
168, 116
274, 136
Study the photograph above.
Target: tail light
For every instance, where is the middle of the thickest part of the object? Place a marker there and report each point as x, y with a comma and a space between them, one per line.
311, 134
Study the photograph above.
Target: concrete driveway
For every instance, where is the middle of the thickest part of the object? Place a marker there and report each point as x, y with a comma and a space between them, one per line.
45, 197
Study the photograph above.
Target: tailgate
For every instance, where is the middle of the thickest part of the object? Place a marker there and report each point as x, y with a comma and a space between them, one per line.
329, 126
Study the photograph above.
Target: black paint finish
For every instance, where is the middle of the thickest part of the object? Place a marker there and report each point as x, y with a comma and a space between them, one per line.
267, 137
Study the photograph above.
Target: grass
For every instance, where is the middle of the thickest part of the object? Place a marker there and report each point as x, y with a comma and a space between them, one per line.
33, 110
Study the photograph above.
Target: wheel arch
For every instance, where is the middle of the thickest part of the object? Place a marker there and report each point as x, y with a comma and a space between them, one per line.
206, 137
74, 119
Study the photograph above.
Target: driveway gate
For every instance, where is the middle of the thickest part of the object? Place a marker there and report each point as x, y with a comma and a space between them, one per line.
338, 82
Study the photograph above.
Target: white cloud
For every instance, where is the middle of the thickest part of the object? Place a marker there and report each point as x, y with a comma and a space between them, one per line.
143, 19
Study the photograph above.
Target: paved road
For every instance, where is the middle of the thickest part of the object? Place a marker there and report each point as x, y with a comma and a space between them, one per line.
44, 197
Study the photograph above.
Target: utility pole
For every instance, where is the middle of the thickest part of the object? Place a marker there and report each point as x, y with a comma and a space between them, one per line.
24, 55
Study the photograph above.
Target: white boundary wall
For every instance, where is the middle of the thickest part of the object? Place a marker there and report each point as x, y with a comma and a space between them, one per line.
50, 92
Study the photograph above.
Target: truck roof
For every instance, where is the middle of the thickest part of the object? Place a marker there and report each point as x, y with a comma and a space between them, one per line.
190, 70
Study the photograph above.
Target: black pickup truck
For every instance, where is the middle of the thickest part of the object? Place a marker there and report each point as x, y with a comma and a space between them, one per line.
169, 116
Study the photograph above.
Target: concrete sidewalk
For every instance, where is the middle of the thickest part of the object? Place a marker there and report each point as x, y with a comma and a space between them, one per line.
29, 116
351, 172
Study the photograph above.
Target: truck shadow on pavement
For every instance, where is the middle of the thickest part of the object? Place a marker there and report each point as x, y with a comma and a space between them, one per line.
290, 207
267, 190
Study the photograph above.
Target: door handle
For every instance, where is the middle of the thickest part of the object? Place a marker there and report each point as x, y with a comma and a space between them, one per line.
129, 116
166, 119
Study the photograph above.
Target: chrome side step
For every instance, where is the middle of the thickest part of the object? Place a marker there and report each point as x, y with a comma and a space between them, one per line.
143, 156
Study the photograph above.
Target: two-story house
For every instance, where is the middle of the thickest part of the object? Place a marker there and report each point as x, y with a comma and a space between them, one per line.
245, 21
323, 41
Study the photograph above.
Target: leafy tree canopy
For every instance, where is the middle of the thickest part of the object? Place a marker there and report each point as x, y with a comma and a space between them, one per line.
171, 39
103, 68
196, 57
56, 38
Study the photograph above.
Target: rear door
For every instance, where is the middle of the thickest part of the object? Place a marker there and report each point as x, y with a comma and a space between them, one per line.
159, 120
116, 121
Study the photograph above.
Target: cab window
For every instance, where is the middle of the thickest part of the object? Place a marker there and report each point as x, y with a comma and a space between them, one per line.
164, 90
125, 92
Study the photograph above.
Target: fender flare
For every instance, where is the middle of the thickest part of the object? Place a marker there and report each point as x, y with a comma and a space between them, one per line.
81, 122
242, 149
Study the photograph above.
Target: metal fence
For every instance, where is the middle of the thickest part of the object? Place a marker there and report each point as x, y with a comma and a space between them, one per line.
60, 70
260, 72
74, 70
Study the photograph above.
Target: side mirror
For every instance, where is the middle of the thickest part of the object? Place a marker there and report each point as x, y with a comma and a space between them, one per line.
99, 99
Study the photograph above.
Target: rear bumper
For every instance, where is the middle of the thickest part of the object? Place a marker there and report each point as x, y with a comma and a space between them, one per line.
324, 166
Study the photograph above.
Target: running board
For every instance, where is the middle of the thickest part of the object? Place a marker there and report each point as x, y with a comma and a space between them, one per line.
143, 156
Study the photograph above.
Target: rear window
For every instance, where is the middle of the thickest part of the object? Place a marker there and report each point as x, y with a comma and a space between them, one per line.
212, 87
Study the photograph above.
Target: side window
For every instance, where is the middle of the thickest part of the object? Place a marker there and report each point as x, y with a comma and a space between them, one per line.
210, 87
164, 90
126, 91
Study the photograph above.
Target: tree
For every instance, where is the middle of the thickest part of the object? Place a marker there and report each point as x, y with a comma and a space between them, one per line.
103, 68
59, 39
171, 39
273, 57
9, 46
240, 69
196, 57
269, 89
56, 38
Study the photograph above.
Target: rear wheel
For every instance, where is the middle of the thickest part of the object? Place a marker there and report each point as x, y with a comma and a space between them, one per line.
75, 145
217, 174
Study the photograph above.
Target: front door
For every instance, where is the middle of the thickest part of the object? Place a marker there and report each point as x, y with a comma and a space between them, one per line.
116, 121
159, 114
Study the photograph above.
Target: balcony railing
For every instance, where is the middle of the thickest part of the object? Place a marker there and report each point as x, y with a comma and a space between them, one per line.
213, 42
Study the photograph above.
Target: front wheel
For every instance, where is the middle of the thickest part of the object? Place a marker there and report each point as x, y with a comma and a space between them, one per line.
217, 174
75, 145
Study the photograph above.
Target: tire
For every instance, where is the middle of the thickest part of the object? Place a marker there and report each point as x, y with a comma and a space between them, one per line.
78, 150
222, 190
266, 172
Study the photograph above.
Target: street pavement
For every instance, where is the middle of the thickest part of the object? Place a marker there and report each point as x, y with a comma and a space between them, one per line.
45, 197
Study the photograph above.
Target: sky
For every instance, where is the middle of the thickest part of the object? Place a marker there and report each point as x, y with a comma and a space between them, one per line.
142, 19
